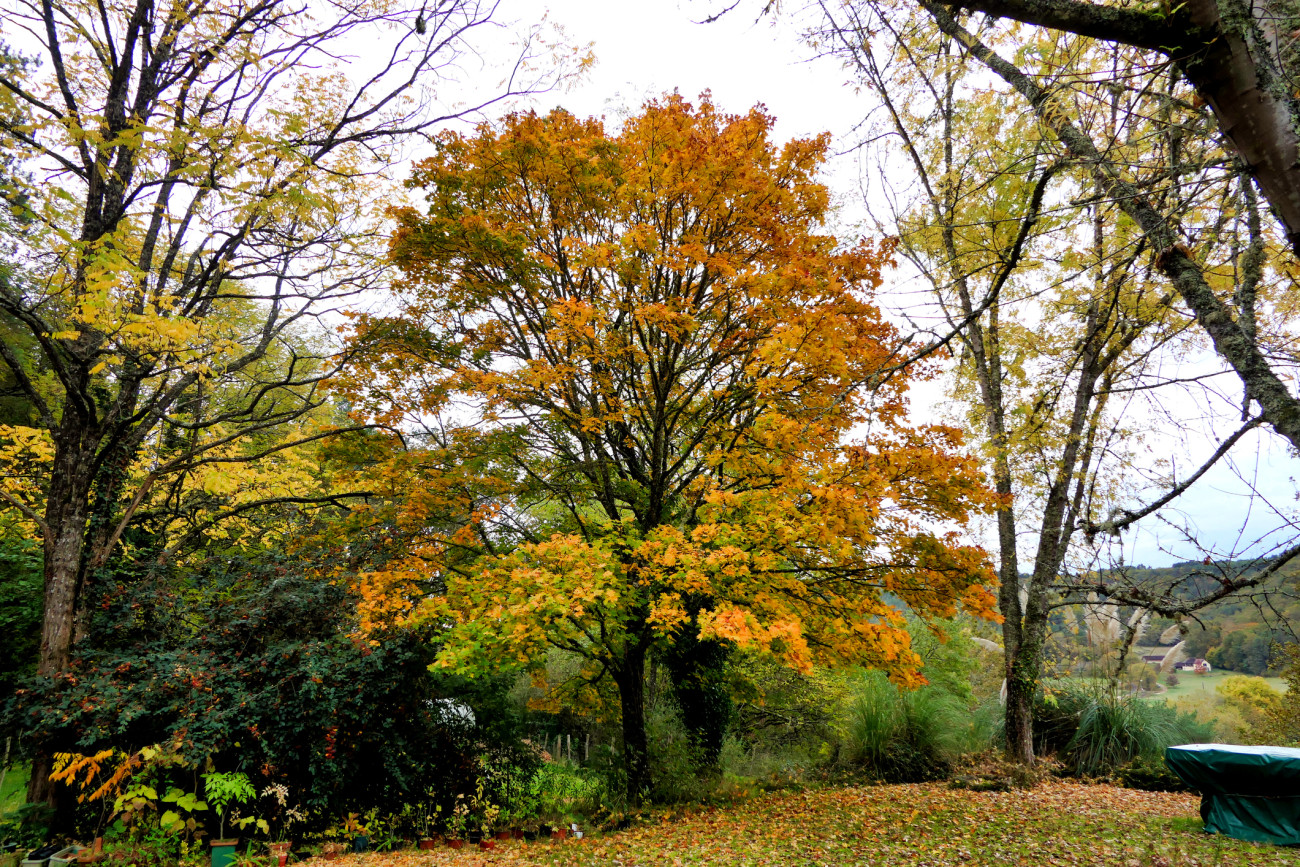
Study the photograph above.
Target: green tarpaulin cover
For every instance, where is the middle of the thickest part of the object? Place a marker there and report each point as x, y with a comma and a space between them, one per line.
1251, 793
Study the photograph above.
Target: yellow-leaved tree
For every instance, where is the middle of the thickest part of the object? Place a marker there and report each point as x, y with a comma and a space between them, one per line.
685, 399
198, 182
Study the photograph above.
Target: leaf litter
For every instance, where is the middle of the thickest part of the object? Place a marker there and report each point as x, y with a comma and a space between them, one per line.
1058, 824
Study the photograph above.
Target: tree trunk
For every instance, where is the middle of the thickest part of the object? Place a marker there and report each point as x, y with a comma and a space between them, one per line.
66, 513
1019, 723
630, 679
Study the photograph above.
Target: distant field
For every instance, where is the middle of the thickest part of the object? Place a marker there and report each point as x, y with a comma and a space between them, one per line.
1190, 685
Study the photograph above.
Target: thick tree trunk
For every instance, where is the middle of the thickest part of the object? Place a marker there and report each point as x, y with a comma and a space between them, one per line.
1022, 682
66, 514
630, 679
1249, 92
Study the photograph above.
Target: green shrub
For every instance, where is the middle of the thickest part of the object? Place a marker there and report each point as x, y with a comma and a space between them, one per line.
1151, 774
679, 770
274, 685
752, 766
1114, 729
562, 793
1284, 719
27, 827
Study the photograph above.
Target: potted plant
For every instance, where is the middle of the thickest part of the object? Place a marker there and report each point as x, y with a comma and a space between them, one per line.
359, 831
487, 823
505, 824
457, 822
429, 821
221, 791
282, 819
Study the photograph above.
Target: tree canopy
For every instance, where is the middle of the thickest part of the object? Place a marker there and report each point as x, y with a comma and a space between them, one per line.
692, 413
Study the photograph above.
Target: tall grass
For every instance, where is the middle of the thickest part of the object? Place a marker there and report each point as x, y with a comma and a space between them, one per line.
1107, 729
905, 735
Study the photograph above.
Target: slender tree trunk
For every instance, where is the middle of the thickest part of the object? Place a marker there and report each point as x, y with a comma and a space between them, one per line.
630, 679
1022, 682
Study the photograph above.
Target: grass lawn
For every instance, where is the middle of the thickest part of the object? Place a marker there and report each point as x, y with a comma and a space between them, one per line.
1059, 823
1190, 685
15, 787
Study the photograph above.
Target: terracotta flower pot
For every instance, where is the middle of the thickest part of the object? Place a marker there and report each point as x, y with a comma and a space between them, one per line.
559, 833
487, 844
503, 835
456, 844
428, 842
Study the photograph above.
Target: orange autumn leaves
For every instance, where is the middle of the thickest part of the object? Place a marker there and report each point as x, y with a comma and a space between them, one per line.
685, 411
1061, 823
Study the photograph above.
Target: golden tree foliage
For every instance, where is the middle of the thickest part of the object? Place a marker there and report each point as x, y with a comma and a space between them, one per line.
689, 404
198, 183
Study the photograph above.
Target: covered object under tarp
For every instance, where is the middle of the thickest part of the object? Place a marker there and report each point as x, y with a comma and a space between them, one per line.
1251, 793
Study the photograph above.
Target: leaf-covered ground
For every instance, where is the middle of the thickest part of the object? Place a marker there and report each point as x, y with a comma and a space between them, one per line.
1059, 823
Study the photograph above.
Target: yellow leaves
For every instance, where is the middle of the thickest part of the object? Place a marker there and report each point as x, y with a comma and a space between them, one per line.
782, 637
667, 613
21, 445
26, 454
82, 771
218, 482
675, 363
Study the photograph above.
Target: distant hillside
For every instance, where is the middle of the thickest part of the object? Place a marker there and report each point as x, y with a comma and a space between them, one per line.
1235, 634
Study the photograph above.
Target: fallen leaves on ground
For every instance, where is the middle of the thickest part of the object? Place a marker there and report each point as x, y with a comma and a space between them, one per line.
931, 825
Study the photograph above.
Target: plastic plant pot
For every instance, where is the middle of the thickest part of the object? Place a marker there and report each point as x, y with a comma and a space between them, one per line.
223, 852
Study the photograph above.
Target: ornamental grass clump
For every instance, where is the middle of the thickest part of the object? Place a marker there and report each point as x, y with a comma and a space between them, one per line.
1108, 729
904, 735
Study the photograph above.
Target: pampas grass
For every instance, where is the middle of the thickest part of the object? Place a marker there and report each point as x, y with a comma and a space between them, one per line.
1176, 654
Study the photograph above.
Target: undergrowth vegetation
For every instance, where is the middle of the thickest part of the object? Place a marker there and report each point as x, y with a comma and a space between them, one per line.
517, 756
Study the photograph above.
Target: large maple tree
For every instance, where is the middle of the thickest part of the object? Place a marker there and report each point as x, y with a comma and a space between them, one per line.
689, 418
